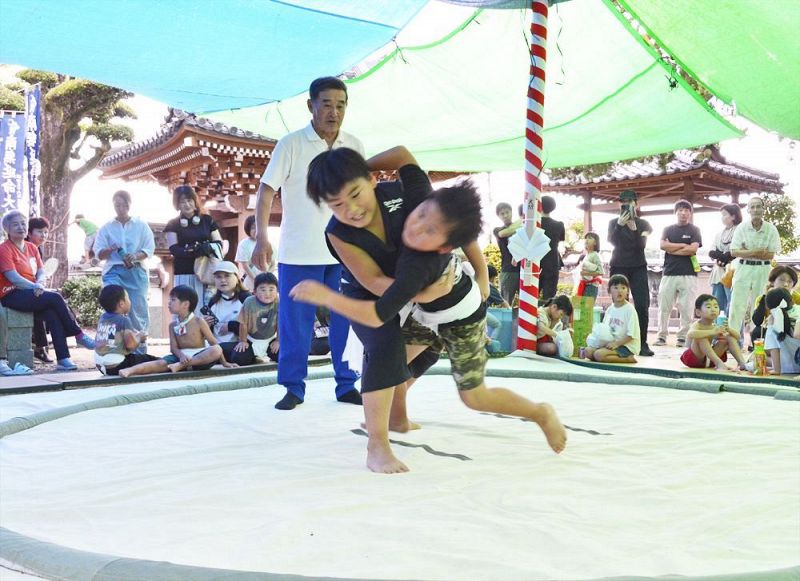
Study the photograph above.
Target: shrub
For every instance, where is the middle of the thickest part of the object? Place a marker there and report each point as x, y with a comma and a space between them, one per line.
81, 293
492, 254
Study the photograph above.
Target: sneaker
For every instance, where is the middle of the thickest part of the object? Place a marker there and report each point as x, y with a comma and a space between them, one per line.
289, 402
660, 342
85, 341
352, 397
4, 368
65, 365
680, 343
645, 351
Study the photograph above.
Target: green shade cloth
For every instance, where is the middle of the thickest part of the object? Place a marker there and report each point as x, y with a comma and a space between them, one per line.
460, 103
746, 52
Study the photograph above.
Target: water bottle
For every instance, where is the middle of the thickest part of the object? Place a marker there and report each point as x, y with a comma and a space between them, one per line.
722, 320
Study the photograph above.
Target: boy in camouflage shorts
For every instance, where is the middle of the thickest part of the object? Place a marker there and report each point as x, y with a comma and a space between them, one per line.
446, 219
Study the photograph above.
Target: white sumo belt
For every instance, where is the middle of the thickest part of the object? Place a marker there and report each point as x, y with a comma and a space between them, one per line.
463, 309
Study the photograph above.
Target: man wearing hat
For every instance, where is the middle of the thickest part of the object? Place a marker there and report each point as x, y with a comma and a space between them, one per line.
628, 234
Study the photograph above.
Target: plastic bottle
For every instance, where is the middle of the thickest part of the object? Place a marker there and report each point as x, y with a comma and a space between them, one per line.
722, 320
759, 358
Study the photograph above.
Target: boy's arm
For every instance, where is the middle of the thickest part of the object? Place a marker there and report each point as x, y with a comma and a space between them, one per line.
475, 256
358, 311
361, 265
697, 332
510, 229
130, 339
206, 332
391, 159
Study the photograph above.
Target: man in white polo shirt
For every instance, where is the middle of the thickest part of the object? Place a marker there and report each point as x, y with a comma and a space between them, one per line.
302, 251
755, 244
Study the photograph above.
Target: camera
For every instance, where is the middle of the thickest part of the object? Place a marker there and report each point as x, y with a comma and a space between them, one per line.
629, 208
206, 311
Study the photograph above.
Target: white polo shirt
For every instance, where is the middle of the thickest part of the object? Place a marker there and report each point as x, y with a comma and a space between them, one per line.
133, 236
749, 238
303, 223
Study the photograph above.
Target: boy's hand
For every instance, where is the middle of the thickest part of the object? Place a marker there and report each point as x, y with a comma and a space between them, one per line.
241, 347
274, 346
142, 337
311, 291
183, 358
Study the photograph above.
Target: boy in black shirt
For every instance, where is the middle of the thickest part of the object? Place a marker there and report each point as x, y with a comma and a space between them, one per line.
431, 228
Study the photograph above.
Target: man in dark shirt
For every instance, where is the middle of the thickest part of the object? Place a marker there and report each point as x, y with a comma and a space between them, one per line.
509, 269
680, 241
550, 264
628, 234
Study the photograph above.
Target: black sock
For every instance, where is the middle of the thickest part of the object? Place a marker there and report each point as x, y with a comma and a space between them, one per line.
289, 402
351, 396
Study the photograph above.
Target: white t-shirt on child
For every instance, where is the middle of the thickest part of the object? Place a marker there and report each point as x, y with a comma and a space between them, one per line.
624, 322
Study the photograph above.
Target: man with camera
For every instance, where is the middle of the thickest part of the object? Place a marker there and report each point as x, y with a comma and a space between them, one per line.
628, 234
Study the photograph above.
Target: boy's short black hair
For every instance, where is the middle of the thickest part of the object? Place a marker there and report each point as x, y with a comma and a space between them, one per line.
323, 84
110, 296
779, 270
562, 302
548, 204
331, 170
265, 278
461, 207
701, 300
618, 279
492, 271
502, 206
185, 293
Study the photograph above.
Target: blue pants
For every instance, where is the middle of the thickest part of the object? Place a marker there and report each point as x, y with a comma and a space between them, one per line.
722, 294
134, 280
296, 328
52, 309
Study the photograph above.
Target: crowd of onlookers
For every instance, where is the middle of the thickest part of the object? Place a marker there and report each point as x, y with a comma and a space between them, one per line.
712, 326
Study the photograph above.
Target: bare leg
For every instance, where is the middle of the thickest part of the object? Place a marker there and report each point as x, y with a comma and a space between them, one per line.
604, 355
736, 351
207, 356
775, 357
504, 401
704, 345
147, 368
380, 457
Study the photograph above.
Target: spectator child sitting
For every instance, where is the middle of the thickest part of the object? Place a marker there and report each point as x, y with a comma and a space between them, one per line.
550, 315
621, 317
322, 322
782, 341
709, 342
117, 339
258, 320
779, 277
191, 342
591, 268
222, 312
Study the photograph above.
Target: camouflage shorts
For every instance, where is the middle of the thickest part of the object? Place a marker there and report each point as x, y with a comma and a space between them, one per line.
465, 345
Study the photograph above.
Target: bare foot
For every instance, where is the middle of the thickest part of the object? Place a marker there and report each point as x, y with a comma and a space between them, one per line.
176, 367
380, 459
401, 426
125, 372
553, 429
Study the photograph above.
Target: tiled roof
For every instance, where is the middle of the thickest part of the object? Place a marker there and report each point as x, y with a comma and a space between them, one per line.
682, 163
169, 129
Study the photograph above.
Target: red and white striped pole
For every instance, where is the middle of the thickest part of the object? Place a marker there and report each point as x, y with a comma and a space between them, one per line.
529, 273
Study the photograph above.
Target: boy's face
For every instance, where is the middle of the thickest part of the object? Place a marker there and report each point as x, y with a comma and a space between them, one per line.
124, 305
683, 215
355, 204
619, 293
505, 216
225, 282
267, 293
783, 281
709, 310
426, 230
178, 307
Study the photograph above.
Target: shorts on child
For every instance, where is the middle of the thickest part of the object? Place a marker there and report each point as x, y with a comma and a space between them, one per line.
170, 359
384, 362
689, 359
465, 345
130, 360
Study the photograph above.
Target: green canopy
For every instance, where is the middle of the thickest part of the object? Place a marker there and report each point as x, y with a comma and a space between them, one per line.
745, 51
460, 103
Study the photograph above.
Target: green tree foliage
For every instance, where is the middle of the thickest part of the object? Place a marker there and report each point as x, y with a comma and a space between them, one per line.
492, 254
82, 293
77, 124
780, 211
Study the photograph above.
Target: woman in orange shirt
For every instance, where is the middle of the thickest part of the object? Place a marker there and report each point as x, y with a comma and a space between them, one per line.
22, 289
